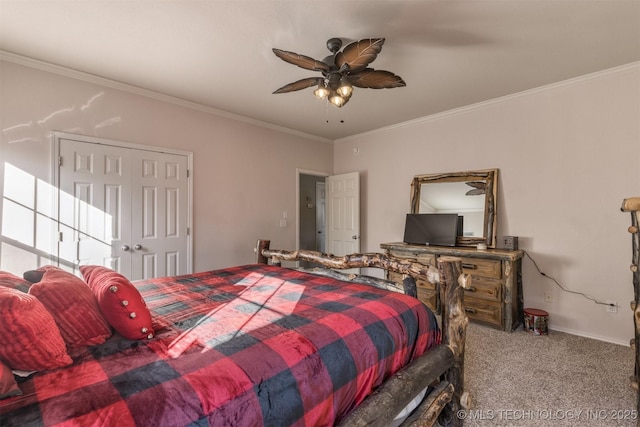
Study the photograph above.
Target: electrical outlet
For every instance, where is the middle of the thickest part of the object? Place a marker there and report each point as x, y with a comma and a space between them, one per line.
612, 307
548, 297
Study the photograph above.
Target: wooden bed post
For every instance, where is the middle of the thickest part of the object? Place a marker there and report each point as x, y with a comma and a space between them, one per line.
633, 205
454, 327
260, 246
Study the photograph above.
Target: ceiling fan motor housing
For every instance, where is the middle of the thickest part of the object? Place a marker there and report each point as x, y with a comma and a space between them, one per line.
334, 44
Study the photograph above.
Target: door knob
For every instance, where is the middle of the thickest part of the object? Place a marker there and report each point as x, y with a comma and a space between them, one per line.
354, 237
137, 247
125, 248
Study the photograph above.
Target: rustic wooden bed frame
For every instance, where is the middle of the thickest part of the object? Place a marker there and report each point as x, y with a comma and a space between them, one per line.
441, 369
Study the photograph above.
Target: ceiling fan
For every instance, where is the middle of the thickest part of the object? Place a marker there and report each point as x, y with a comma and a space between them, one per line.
341, 71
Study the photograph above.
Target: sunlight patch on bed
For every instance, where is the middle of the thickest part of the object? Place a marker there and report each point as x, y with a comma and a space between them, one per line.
264, 301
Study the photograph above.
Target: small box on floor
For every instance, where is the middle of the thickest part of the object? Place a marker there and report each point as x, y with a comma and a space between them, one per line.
536, 321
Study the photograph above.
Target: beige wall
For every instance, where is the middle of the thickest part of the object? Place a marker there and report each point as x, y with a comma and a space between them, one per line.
568, 155
244, 175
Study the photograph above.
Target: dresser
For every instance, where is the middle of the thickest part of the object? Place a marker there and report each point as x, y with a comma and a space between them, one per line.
495, 297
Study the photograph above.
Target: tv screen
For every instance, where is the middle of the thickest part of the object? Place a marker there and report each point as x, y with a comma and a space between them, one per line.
431, 229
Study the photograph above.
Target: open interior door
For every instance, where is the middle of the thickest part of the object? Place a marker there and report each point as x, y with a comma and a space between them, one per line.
343, 213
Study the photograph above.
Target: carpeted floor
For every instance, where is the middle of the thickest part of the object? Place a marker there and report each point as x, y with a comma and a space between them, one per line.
520, 379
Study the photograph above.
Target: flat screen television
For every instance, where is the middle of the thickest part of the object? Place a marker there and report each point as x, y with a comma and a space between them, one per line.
432, 229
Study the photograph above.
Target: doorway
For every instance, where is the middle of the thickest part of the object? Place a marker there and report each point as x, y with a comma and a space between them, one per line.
311, 212
328, 214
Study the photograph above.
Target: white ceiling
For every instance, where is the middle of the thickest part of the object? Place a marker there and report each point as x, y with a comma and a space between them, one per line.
451, 53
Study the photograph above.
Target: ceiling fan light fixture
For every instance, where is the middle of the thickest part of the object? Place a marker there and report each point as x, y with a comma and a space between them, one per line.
338, 100
345, 89
321, 92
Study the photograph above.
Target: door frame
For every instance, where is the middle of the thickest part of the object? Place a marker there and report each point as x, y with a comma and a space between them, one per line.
56, 136
298, 173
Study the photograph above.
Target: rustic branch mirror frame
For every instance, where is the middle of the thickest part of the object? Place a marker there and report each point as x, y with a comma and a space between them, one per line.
489, 177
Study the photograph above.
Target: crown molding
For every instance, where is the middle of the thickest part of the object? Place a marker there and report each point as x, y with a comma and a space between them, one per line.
114, 84
633, 66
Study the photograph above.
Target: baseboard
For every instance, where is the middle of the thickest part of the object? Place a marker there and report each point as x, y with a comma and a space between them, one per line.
595, 337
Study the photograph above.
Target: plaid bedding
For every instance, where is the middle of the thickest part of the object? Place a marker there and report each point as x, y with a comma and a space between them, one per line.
243, 346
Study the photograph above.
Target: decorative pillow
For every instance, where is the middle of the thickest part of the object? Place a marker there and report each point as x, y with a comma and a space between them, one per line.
30, 338
120, 302
12, 281
8, 385
73, 306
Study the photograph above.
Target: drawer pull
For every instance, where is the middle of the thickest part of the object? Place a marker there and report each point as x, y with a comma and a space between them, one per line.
471, 289
469, 266
469, 310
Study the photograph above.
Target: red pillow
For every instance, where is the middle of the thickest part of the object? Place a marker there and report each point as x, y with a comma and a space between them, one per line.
30, 338
120, 302
8, 385
12, 281
73, 306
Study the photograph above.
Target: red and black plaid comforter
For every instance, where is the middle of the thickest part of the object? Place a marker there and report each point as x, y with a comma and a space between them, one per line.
244, 346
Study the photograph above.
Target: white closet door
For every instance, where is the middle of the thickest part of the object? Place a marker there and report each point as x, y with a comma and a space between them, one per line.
123, 208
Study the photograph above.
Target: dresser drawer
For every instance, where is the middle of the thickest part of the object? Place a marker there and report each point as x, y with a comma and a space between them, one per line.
403, 254
427, 292
425, 284
484, 288
399, 278
394, 277
483, 311
429, 297
482, 267
427, 259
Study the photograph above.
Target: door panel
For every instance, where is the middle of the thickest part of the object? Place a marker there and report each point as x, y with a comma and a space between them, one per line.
92, 182
159, 200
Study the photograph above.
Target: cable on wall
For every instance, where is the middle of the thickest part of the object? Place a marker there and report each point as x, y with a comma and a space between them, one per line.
562, 287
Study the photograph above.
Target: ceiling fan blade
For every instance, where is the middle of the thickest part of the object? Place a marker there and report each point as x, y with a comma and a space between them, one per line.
300, 84
358, 55
301, 61
376, 79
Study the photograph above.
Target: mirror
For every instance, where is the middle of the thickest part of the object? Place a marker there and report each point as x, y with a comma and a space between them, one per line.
471, 195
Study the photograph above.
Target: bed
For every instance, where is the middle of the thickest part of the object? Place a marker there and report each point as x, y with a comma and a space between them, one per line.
265, 345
